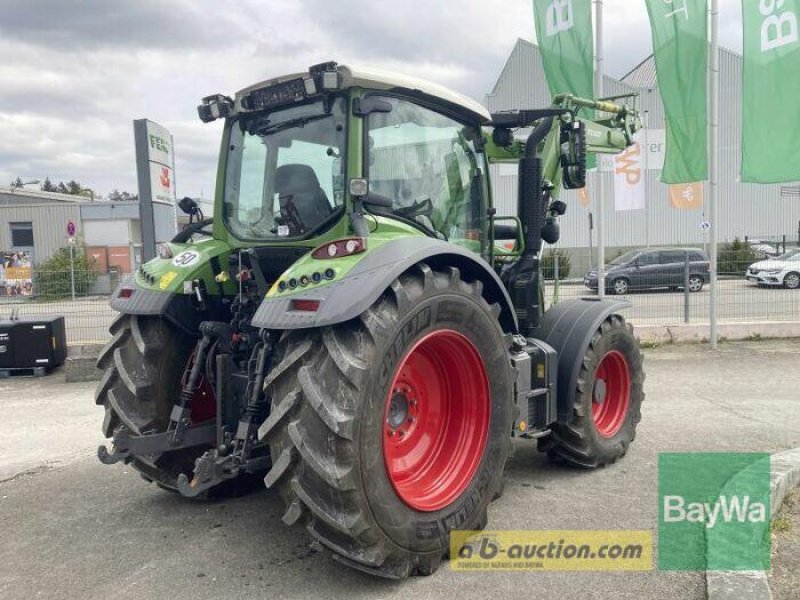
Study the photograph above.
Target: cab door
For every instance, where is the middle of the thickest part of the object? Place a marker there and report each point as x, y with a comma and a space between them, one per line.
646, 271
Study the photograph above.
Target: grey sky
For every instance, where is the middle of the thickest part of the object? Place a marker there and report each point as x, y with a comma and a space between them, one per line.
75, 74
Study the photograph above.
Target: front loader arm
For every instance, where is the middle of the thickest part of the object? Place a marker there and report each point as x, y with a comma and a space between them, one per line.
609, 135
552, 157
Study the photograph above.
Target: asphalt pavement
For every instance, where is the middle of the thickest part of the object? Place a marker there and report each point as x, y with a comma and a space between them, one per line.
73, 528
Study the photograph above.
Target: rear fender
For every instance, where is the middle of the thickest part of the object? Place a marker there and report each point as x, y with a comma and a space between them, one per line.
362, 284
569, 327
157, 288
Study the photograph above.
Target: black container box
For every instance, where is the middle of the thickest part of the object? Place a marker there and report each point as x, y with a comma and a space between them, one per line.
33, 342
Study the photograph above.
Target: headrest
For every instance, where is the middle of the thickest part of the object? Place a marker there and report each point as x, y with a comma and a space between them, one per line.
295, 179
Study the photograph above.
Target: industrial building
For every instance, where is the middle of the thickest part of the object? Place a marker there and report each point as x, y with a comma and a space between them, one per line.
767, 212
35, 224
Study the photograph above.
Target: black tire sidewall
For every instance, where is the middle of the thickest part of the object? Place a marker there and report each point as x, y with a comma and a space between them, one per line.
621, 340
425, 531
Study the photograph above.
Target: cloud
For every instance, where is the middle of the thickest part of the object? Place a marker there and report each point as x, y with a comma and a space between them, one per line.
80, 24
79, 72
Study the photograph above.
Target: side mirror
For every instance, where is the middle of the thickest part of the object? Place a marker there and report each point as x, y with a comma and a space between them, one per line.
188, 206
573, 155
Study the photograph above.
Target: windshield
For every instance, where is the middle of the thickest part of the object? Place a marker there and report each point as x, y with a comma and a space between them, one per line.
625, 258
789, 255
426, 164
285, 172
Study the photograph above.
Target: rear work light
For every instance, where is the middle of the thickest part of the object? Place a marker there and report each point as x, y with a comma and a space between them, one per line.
304, 305
340, 248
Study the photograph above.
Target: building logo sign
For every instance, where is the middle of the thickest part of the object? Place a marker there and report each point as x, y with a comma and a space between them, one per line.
629, 187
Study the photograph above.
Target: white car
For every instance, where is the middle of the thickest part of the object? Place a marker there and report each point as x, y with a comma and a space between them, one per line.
783, 270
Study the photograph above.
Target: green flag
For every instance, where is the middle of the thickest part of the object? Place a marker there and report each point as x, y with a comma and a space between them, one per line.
566, 43
771, 91
680, 46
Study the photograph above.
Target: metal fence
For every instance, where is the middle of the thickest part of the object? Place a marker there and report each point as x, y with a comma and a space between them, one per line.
81, 297
659, 294
754, 285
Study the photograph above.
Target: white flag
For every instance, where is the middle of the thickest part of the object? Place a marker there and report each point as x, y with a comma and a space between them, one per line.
629, 182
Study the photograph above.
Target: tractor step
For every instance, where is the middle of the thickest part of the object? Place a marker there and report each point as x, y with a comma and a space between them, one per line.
23, 372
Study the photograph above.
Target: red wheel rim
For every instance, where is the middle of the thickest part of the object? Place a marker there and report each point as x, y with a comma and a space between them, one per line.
436, 420
611, 393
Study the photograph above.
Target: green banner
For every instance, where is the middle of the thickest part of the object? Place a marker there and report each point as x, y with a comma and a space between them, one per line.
771, 91
680, 45
566, 43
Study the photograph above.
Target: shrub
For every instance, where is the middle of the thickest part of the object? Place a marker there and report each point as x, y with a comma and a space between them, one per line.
735, 257
52, 279
548, 264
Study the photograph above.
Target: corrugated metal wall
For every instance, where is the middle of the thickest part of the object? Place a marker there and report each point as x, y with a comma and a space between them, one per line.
49, 226
757, 211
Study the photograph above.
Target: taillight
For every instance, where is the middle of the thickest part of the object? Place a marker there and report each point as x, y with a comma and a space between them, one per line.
340, 248
125, 293
304, 305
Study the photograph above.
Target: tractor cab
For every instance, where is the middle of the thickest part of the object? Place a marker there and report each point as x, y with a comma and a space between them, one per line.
339, 151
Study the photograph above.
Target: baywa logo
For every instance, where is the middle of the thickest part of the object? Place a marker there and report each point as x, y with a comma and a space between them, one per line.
735, 508
714, 511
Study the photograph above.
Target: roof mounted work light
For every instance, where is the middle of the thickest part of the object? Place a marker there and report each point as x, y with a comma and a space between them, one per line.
215, 107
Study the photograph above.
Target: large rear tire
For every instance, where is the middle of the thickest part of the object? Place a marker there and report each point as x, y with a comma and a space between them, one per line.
144, 363
352, 406
608, 400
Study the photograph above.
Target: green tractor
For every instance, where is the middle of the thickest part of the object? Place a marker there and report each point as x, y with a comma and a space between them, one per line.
356, 325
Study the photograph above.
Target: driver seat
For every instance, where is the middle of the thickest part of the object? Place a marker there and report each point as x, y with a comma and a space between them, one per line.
303, 203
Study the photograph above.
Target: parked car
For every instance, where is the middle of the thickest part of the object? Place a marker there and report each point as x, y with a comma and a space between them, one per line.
653, 268
783, 270
763, 249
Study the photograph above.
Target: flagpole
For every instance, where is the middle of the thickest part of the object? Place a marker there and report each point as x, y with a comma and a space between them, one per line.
714, 168
598, 92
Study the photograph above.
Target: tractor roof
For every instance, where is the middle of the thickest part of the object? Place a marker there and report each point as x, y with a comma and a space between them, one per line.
389, 81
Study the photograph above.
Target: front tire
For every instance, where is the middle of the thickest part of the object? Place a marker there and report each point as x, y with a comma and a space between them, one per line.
343, 394
696, 283
608, 400
620, 286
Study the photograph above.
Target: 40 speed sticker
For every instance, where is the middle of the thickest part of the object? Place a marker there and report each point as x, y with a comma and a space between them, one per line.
186, 258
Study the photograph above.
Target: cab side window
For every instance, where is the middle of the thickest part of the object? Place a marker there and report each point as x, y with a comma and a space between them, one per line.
670, 257
648, 258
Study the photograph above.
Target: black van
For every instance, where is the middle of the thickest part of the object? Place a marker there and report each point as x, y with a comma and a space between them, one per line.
653, 268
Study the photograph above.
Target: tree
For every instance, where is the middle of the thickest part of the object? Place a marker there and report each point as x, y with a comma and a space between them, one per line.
53, 278
61, 188
116, 196
17, 183
48, 186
